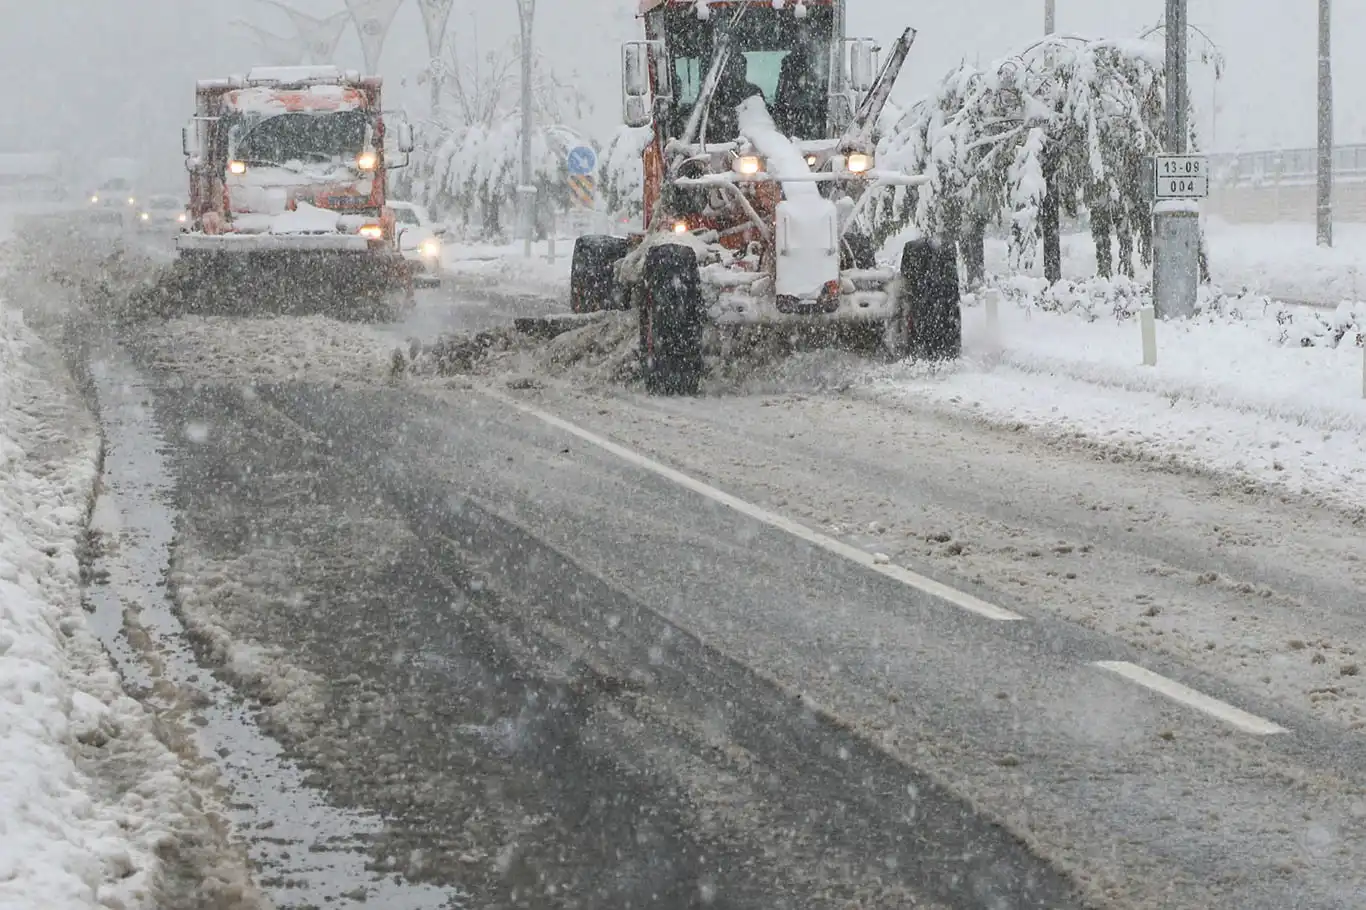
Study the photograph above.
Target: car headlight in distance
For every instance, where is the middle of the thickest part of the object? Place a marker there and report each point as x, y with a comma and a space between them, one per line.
132, 201
859, 163
431, 248
748, 165
372, 232
145, 216
94, 199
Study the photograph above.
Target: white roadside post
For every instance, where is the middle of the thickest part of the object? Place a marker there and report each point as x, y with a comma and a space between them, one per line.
992, 300
1147, 320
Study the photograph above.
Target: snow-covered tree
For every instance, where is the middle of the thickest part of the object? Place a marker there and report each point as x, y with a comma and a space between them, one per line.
1065, 124
471, 161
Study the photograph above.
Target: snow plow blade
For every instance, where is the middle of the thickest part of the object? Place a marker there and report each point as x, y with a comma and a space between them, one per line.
554, 324
259, 277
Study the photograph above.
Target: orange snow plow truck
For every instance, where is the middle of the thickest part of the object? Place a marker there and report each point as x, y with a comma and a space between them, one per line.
287, 206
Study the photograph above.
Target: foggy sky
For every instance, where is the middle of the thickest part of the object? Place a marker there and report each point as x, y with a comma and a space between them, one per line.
115, 77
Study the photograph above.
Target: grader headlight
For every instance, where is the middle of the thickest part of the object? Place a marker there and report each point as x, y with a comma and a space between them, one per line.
749, 165
859, 163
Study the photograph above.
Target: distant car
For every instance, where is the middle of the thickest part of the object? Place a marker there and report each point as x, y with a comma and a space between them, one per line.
162, 212
112, 200
419, 240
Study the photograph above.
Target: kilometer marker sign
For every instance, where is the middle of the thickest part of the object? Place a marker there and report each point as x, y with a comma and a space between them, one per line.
1182, 176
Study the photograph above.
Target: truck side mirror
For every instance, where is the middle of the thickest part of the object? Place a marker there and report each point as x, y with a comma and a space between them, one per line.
189, 143
862, 63
635, 69
404, 135
637, 112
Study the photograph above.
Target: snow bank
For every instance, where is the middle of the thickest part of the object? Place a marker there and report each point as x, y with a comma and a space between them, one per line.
1252, 388
59, 846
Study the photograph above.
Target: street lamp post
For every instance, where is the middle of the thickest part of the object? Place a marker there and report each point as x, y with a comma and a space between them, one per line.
1325, 190
526, 192
1050, 16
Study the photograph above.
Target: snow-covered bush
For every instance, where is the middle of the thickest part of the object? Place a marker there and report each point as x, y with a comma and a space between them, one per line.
1091, 299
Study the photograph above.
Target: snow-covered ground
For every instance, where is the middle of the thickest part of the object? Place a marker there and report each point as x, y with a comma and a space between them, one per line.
1263, 390
1282, 261
506, 268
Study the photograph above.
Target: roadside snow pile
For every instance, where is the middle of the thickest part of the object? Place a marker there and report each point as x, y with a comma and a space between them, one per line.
503, 268
300, 349
59, 846
603, 350
1250, 387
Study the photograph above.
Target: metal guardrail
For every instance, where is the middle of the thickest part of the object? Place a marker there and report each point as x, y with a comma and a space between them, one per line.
1285, 166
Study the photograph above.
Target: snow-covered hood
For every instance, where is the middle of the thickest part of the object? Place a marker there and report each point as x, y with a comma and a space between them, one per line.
306, 219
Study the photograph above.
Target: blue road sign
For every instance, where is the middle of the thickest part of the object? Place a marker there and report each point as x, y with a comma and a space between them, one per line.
582, 161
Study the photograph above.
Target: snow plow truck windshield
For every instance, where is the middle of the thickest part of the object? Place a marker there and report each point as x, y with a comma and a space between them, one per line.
304, 136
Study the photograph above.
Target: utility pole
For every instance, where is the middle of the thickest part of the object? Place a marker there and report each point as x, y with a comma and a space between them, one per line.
1050, 17
1176, 222
1177, 87
1325, 207
526, 192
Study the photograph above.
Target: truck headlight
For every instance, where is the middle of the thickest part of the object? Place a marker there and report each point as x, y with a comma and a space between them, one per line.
237, 168
372, 232
858, 163
182, 218
367, 161
431, 248
748, 165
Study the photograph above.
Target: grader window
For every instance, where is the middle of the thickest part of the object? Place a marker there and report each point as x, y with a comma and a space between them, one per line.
787, 59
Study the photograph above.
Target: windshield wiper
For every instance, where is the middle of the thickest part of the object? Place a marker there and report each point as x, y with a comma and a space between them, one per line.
701, 110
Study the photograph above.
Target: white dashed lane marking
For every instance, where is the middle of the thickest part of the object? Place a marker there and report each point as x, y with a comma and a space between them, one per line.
1212, 707
1234, 717
906, 577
